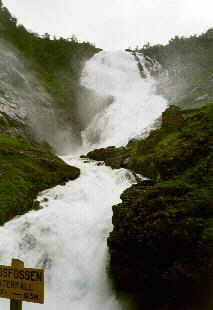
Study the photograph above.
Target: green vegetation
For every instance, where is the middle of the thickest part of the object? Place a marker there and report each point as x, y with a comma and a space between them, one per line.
25, 167
163, 231
15, 128
57, 62
189, 63
112, 156
161, 245
25, 170
184, 140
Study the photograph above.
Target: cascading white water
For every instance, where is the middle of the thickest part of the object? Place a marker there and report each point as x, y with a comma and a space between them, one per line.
68, 235
135, 104
68, 238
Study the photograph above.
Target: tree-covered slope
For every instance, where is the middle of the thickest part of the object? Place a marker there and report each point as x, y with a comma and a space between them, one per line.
187, 64
57, 62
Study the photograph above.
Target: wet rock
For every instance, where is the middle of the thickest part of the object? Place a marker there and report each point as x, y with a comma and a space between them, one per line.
112, 156
161, 246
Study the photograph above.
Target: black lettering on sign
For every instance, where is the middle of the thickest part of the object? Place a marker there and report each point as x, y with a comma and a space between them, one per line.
22, 283
27, 275
21, 274
9, 273
16, 274
39, 276
8, 284
5, 273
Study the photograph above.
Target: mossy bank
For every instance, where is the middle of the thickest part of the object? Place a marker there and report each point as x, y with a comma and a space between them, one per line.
161, 246
39, 86
25, 170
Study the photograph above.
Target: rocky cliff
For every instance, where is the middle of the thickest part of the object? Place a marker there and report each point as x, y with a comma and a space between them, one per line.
161, 246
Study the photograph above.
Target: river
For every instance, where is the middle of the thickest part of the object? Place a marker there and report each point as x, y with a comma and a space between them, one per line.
67, 237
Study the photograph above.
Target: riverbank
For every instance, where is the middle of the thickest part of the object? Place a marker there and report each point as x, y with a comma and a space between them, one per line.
161, 246
25, 170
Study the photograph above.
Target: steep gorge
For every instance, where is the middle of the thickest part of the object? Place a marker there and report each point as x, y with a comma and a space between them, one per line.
162, 228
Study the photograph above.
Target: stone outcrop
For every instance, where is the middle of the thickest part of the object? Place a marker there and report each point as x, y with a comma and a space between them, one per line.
161, 246
112, 156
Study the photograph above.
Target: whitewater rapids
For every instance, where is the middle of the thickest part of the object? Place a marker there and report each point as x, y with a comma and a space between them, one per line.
67, 237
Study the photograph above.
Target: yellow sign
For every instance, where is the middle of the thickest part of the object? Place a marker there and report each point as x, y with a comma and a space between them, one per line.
19, 283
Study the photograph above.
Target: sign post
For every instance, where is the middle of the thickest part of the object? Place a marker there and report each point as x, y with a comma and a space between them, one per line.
16, 304
21, 284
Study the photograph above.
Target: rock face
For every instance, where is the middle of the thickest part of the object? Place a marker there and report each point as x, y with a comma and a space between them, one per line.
26, 101
27, 120
161, 246
112, 156
22, 98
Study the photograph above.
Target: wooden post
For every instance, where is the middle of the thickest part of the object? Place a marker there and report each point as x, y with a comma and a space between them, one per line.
16, 304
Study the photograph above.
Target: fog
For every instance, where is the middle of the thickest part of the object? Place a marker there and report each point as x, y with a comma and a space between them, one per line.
22, 97
115, 24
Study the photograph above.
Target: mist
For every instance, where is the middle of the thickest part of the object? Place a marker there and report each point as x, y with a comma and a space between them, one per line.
24, 98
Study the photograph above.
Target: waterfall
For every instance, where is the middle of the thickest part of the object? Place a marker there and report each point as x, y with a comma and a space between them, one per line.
67, 237
134, 106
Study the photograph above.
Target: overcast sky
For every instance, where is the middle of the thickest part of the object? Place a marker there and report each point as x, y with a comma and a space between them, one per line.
115, 24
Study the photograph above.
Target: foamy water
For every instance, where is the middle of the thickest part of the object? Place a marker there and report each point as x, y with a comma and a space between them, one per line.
67, 237
135, 105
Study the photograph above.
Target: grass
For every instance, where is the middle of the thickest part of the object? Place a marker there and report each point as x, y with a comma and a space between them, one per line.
25, 170
163, 232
